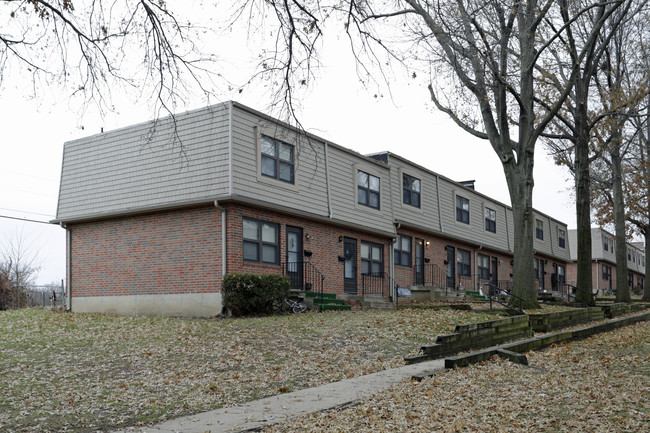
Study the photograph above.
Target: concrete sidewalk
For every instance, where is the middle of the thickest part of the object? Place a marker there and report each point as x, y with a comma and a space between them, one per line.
283, 407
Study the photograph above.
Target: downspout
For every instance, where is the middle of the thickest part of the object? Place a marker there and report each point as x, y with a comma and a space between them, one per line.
223, 237
327, 182
442, 229
68, 266
230, 185
480, 247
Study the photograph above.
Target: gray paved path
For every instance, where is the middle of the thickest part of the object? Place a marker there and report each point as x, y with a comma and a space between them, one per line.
281, 408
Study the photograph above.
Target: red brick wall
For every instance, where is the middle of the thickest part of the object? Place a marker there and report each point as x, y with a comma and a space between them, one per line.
164, 253
319, 238
436, 251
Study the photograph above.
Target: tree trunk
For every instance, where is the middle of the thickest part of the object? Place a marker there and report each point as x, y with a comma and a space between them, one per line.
622, 289
520, 184
583, 194
646, 278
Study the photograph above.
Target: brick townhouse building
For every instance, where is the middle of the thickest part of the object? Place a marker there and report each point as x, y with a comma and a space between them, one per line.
603, 261
157, 213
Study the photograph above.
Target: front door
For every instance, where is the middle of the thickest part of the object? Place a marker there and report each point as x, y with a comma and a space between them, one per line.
541, 274
294, 257
451, 267
494, 272
350, 266
419, 262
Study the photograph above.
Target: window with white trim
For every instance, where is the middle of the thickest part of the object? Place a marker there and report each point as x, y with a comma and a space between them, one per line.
463, 263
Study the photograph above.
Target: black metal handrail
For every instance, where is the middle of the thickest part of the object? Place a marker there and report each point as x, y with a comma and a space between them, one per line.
373, 283
430, 274
571, 288
494, 292
305, 276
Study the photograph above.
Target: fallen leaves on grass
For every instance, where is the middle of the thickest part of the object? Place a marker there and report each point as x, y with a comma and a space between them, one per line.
88, 372
556, 394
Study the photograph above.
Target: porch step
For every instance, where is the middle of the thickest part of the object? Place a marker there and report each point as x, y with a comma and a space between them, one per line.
328, 303
335, 307
474, 295
318, 295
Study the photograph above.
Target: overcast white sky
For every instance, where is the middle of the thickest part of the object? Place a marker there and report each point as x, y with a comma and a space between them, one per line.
336, 108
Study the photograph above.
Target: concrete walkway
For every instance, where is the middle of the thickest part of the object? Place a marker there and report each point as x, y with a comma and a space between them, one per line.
283, 407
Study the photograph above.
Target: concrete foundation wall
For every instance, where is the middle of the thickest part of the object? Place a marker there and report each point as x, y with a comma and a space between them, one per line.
185, 304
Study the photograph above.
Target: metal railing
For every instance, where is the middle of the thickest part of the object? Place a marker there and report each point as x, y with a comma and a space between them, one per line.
305, 276
570, 291
378, 283
430, 274
504, 297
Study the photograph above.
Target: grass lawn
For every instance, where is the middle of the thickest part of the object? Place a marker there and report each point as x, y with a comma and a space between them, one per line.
86, 372
598, 385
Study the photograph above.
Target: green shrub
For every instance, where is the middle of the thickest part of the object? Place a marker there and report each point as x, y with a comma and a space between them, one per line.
252, 293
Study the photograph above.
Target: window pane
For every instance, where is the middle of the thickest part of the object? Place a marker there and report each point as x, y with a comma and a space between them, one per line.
363, 196
415, 199
268, 166
376, 268
250, 251
362, 179
269, 233
268, 146
269, 254
349, 269
406, 243
365, 251
376, 253
374, 183
286, 172
406, 258
416, 185
406, 196
286, 152
374, 200
250, 230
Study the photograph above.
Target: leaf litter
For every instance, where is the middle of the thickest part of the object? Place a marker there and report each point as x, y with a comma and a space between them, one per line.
70, 372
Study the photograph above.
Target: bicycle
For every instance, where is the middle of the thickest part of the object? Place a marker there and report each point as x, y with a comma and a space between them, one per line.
295, 305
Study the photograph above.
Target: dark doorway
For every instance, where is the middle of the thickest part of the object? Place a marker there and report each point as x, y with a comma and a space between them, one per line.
294, 257
494, 272
419, 262
541, 274
350, 266
451, 267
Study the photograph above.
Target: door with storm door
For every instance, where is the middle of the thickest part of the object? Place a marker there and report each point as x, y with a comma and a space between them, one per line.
419, 262
294, 257
350, 266
494, 274
451, 267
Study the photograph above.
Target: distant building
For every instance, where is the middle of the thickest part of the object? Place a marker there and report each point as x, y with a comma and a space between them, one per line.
603, 261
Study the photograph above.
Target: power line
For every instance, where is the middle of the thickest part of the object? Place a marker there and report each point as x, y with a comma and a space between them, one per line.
24, 219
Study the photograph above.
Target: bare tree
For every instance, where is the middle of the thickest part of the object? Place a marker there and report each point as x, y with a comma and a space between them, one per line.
485, 64
19, 266
89, 46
